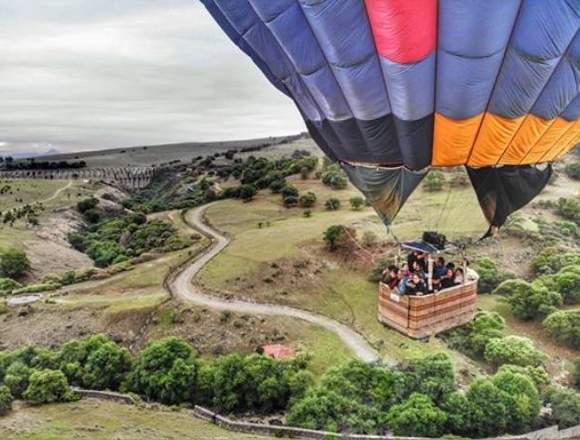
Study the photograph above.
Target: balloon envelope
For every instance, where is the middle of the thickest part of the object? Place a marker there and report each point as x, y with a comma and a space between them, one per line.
401, 86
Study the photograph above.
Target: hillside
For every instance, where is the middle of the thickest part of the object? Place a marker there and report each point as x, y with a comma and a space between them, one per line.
128, 249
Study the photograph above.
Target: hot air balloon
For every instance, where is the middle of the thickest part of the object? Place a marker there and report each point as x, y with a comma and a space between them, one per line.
393, 88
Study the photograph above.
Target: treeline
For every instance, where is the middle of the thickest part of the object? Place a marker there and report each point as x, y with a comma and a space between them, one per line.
8, 164
419, 399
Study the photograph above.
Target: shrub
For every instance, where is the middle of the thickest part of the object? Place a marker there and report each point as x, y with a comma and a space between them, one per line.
376, 274
247, 192
7, 285
564, 326
508, 288
307, 200
577, 372
334, 235
434, 181
334, 178
432, 376
485, 411
567, 284
277, 185
357, 203
16, 378
515, 350
530, 301
569, 209
417, 416
35, 288
552, 259
332, 204
13, 263
165, 371
369, 238
87, 204
290, 201
6, 400
523, 397
48, 386
573, 170
538, 375
565, 406
289, 191
489, 276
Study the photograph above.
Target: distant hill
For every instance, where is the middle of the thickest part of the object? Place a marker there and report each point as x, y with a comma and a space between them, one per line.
150, 155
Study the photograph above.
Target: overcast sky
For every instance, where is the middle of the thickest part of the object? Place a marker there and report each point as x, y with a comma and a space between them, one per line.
88, 74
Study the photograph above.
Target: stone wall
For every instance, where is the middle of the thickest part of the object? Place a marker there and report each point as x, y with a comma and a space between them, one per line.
551, 433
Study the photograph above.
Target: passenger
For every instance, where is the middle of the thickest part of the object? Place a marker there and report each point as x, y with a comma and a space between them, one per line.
415, 285
448, 280
402, 287
439, 270
470, 274
417, 257
459, 276
391, 276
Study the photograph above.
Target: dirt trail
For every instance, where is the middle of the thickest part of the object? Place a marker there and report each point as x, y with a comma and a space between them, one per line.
184, 288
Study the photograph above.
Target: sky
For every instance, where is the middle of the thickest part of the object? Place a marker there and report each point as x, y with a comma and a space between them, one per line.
92, 74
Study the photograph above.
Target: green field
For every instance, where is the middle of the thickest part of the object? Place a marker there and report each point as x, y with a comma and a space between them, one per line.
102, 420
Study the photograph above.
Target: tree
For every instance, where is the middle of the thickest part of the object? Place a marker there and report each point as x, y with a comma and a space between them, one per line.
565, 406
247, 192
434, 181
48, 386
307, 200
165, 371
334, 178
357, 203
13, 263
522, 397
6, 400
332, 204
106, 367
417, 416
16, 378
333, 235
433, 376
564, 326
530, 301
573, 170
87, 204
515, 350
486, 409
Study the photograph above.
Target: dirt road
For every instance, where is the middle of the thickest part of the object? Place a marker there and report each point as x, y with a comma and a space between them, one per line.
184, 288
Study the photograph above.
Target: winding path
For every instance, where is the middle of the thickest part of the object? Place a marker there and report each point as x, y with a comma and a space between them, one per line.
183, 287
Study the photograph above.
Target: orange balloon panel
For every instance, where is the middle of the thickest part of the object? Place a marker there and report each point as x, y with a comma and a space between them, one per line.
548, 143
526, 137
452, 139
496, 132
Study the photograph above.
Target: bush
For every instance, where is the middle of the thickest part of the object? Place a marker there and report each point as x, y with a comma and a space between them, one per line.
357, 203
538, 375
515, 350
485, 411
489, 276
13, 263
417, 416
530, 301
87, 204
525, 399
48, 386
7, 285
577, 372
369, 238
332, 204
35, 288
334, 235
334, 178
552, 260
165, 371
16, 378
569, 209
564, 326
247, 192
376, 274
6, 400
565, 406
567, 284
307, 200
573, 170
434, 181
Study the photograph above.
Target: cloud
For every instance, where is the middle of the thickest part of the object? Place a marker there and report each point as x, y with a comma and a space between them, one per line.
81, 74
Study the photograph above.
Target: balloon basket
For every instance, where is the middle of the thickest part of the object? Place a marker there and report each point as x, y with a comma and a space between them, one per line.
422, 316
